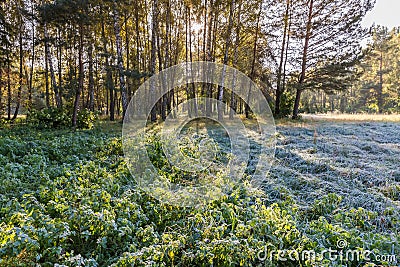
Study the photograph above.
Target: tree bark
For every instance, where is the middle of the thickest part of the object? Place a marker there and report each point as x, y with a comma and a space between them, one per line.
380, 86
279, 90
127, 47
304, 62
50, 62
20, 75
235, 59
203, 87
154, 25
60, 68
225, 61
192, 86
79, 89
252, 72
209, 57
91, 78
46, 72
120, 61
109, 78
8, 84
32, 65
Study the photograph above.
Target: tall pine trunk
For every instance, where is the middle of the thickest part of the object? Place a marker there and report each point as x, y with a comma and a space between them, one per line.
30, 84
154, 25
8, 83
91, 78
225, 61
253, 63
235, 59
50, 64
20, 75
209, 56
59, 69
380, 86
304, 62
120, 61
279, 87
79, 89
109, 78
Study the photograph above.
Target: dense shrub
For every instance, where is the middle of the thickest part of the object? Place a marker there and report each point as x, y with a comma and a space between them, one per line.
53, 117
287, 102
85, 119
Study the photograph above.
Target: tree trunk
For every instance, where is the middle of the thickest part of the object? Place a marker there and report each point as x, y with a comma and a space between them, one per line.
380, 86
203, 86
8, 84
304, 62
192, 86
209, 57
154, 25
167, 62
81, 79
188, 94
286, 50
109, 78
91, 79
120, 61
279, 90
20, 77
252, 73
50, 62
225, 61
46, 72
163, 104
60, 69
235, 59
32, 66
127, 47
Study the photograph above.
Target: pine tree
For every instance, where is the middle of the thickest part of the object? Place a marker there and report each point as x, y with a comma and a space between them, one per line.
331, 33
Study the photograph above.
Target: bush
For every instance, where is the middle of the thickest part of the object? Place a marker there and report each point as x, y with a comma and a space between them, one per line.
287, 103
49, 118
86, 119
53, 117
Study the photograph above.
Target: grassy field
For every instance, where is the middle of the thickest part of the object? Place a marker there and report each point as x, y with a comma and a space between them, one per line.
353, 117
68, 198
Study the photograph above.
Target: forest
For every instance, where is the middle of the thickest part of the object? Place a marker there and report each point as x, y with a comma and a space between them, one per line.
91, 56
72, 190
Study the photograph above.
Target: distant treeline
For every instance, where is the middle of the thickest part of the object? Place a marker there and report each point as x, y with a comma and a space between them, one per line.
376, 88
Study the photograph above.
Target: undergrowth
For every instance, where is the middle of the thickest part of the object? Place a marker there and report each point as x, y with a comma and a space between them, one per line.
67, 199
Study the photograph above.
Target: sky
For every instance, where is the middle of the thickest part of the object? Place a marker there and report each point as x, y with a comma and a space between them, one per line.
385, 12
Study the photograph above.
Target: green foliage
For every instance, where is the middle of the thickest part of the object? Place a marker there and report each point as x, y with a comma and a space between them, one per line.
53, 117
86, 119
67, 198
50, 118
287, 102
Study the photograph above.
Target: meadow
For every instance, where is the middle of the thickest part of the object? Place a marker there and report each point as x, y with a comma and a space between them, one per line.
68, 199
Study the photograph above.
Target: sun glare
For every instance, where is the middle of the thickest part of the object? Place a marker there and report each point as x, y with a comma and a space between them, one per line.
196, 27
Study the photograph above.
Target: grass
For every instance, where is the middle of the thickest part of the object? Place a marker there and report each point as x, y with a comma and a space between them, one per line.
67, 198
338, 117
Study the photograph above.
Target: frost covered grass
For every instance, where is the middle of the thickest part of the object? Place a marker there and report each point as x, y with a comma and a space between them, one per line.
358, 161
68, 198
353, 117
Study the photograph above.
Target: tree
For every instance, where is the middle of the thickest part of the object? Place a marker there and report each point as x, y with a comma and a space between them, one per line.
331, 33
225, 60
378, 85
120, 63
